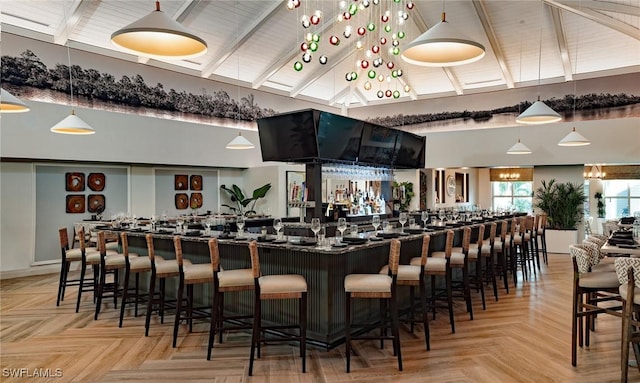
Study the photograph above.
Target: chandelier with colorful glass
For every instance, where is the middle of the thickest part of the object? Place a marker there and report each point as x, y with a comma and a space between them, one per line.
375, 29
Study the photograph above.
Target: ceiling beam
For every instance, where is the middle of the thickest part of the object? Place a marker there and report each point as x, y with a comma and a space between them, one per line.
493, 40
359, 96
422, 26
412, 92
598, 17
70, 21
339, 95
611, 7
210, 67
562, 43
185, 10
285, 59
321, 71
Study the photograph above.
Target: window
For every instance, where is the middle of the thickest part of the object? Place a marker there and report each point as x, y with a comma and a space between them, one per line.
621, 198
516, 194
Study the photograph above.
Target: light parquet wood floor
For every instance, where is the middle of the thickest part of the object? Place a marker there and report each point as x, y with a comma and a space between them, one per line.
525, 337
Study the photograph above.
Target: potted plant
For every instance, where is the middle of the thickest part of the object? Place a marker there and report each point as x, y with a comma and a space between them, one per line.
600, 204
242, 201
563, 204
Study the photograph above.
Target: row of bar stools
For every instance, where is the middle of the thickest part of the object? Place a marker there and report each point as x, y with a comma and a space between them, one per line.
270, 287
190, 275
225, 282
375, 286
160, 271
136, 265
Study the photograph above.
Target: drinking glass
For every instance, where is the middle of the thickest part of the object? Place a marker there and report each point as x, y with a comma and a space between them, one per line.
240, 225
424, 216
153, 222
179, 222
342, 226
402, 220
385, 226
353, 230
321, 235
455, 215
207, 226
375, 221
441, 214
315, 226
277, 224
412, 223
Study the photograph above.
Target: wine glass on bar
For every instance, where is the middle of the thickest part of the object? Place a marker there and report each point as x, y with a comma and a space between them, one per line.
315, 226
277, 224
342, 226
240, 225
402, 220
424, 216
375, 221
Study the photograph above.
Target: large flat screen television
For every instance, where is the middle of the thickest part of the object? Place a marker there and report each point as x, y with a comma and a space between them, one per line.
410, 151
338, 137
377, 146
289, 137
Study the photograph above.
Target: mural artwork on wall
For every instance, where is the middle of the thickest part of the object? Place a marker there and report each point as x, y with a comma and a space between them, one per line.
27, 77
74, 182
182, 201
181, 182
196, 182
75, 203
96, 181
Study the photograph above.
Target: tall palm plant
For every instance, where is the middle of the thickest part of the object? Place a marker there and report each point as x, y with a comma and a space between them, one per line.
562, 202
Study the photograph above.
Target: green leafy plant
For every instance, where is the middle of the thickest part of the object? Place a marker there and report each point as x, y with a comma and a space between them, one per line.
562, 202
408, 194
237, 195
601, 209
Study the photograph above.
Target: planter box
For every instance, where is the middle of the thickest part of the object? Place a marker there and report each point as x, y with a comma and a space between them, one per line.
558, 241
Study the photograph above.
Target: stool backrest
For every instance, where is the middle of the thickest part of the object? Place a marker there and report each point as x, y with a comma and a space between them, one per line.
102, 247
592, 252
493, 227
466, 239
543, 223
480, 236
255, 259
504, 225
581, 261
177, 244
394, 256
64, 238
214, 254
448, 244
624, 266
597, 244
150, 248
81, 239
426, 239
514, 226
124, 241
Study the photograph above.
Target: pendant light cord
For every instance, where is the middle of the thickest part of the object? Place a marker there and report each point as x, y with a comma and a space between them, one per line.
575, 71
540, 48
66, 33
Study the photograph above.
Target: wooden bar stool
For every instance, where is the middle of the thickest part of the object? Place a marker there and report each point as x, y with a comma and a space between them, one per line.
160, 271
375, 286
628, 272
134, 264
487, 254
90, 257
110, 263
225, 281
459, 259
477, 281
67, 256
412, 275
286, 286
500, 249
190, 275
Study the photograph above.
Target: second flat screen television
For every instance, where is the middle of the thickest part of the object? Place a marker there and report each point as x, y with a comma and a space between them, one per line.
338, 137
377, 146
289, 137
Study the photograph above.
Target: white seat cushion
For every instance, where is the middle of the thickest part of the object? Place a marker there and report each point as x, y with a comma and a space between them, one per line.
405, 272
198, 271
280, 284
112, 246
74, 254
636, 293
457, 249
486, 250
168, 267
93, 257
235, 278
457, 259
139, 263
433, 264
367, 283
497, 245
114, 260
604, 280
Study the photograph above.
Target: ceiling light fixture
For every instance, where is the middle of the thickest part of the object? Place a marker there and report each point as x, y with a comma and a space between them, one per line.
442, 46
539, 112
240, 143
11, 104
519, 148
71, 124
158, 35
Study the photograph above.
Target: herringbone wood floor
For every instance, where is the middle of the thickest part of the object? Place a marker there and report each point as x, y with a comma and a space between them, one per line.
525, 337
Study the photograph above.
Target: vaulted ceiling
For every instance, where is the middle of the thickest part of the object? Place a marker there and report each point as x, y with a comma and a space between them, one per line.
255, 43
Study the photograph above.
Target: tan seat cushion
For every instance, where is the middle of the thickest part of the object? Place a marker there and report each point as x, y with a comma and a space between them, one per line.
235, 278
405, 272
636, 293
457, 259
433, 264
280, 284
93, 257
139, 263
604, 280
497, 245
197, 272
112, 246
603, 267
74, 254
367, 283
114, 260
168, 268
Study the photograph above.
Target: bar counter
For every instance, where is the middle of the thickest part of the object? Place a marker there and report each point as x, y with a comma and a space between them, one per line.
324, 268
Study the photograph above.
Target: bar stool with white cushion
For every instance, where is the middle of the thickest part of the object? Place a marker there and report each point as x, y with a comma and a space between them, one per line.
270, 287
375, 286
135, 265
628, 272
160, 271
110, 263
